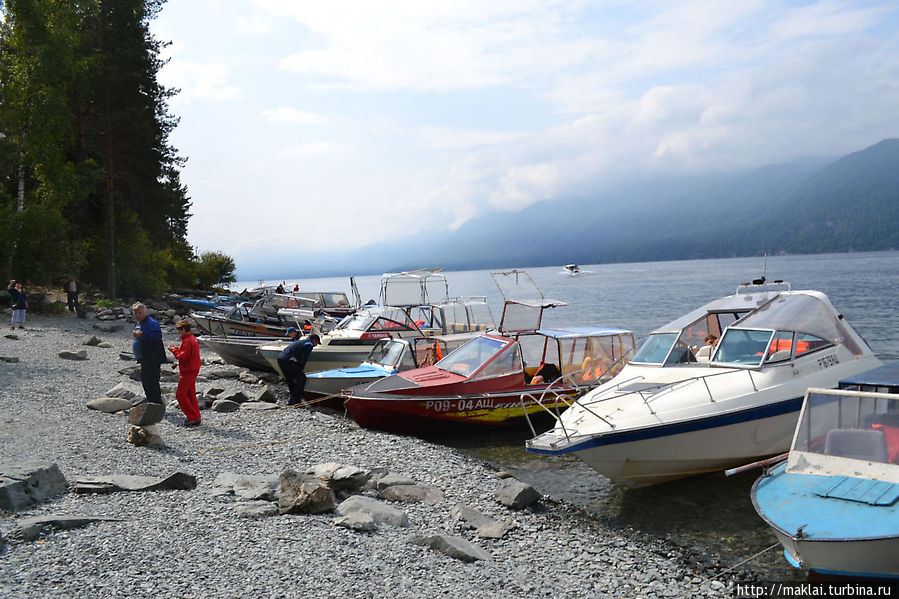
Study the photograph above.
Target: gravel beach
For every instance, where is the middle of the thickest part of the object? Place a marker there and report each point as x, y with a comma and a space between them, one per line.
192, 543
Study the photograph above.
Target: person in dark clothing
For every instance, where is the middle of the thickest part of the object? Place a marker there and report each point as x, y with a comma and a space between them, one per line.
149, 351
292, 361
18, 302
72, 290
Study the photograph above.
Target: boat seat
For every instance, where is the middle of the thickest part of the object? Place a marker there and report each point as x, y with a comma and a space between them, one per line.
781, 354
856, 443
704, 353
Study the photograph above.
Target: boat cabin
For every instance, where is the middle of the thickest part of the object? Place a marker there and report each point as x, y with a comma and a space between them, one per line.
681, 341
578, 356
783, 329
848, 433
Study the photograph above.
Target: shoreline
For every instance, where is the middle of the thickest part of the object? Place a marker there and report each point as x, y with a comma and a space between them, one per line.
193, 544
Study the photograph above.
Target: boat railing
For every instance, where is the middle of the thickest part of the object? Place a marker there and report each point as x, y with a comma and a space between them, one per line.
566, 389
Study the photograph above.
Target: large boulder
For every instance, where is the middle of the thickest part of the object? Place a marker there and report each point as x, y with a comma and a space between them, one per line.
515, 494
25, 485
109, 405
146, 413
303, 494
413, 494
380, 512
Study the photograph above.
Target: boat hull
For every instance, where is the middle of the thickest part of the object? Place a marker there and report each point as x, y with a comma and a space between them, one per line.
658, 455
323, 357
445, 413
239, 352
841, 538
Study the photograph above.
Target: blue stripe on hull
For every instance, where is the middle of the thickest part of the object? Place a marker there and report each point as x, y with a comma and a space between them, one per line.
678, 428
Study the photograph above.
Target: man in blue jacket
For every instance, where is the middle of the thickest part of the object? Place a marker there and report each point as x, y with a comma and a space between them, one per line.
292, 361
149, 351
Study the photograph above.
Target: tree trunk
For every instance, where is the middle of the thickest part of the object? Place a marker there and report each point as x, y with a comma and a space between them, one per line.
110, 201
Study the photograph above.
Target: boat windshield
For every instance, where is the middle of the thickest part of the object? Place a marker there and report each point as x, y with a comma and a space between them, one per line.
656, 348
390, 353
474, 354
850, 424
808, 313
387, 319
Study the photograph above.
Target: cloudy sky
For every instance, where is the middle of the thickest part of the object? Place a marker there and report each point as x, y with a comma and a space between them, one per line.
325, 125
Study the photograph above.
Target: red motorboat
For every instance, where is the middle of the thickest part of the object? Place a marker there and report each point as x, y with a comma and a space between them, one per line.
495, 379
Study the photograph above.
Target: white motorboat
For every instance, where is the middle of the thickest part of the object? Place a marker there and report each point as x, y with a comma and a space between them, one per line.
572, 269
349, 344
834, 502
669, 414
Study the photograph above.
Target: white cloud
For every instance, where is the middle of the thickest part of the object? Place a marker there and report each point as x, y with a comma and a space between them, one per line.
311, 149
446, 138
292, 116
201, 82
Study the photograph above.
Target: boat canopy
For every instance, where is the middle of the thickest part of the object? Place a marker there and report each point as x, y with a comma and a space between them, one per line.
485, 355
854, 433
386, 319
676, 342
884, 379
792, 324
414, 287
395, 354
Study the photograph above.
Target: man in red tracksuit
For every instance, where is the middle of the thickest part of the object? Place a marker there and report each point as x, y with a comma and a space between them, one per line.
188, 355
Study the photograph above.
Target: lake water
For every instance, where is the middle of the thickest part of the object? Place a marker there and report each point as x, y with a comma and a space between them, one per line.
710, 518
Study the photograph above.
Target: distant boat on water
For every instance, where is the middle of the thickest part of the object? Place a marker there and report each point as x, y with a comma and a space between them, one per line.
572, 269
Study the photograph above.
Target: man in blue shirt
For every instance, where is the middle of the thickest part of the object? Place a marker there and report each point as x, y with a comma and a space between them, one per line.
149, 351
292, 361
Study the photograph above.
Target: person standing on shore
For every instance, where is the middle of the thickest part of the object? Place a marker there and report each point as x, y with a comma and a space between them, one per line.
72, 289
18, 303
292, 361
148, 351
188, 355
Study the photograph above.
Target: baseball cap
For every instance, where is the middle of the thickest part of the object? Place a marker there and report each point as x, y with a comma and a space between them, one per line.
291, 330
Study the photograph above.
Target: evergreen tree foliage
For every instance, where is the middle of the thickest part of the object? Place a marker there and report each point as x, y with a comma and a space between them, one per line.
89, 184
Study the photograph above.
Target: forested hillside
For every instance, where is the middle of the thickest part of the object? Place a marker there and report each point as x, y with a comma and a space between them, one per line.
89, 183
805, 206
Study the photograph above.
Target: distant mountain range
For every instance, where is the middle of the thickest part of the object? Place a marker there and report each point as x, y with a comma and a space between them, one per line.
802, 207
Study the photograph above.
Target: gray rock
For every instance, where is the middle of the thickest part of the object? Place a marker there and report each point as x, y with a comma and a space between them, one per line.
393, 480
110, 405
378, 510
257, 405
9, 359
90, 340
248, 378
303, 494
413, 494
455, 547
485, 526
257, 486
224, 483
225, 405
234, 394
141, 437
30, 529
178, 481
516, 494
12, 336
125, 390
261, 394
359, 521
28, 484
126, 355
104, 345
222, 372
73, 355
146, 413
256, 509
107, 327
